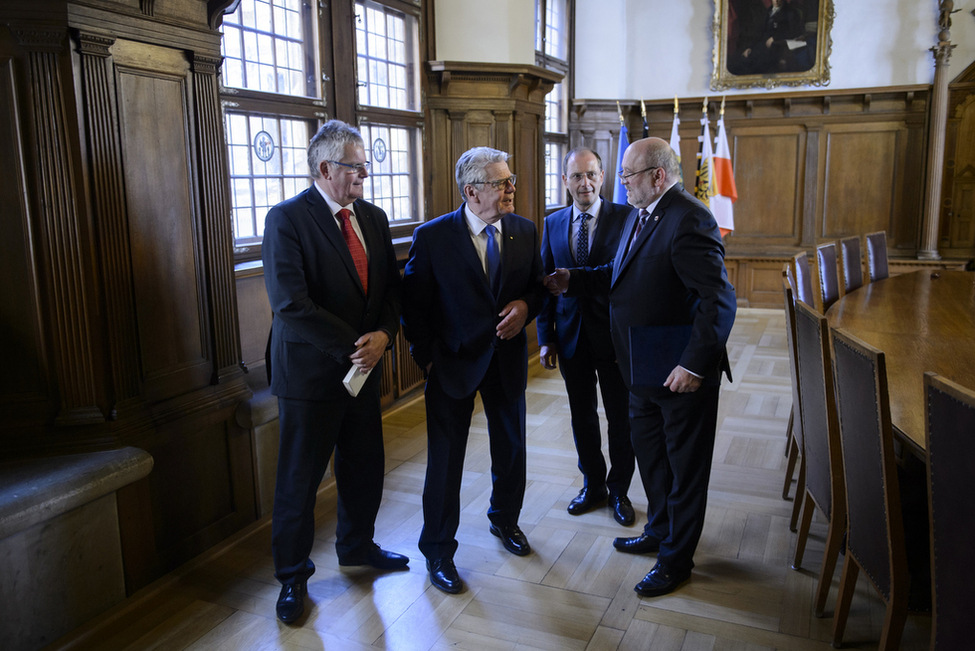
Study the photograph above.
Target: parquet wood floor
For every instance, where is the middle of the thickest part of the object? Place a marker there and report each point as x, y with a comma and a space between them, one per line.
573, 592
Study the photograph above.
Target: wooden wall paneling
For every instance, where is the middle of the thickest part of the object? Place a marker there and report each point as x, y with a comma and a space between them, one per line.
106, 183
154, 89
958, 199
63, 241
770, 164
813, 181
214, 192
24, 383
861, 179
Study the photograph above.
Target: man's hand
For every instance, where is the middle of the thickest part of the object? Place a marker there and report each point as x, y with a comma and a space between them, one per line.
557, 282
680, 381
369, 350
513, 318
547, 355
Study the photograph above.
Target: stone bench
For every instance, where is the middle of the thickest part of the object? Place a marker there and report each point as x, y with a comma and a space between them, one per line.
60, 547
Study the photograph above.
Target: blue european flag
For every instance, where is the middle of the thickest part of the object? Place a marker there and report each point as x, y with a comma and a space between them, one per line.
619, 192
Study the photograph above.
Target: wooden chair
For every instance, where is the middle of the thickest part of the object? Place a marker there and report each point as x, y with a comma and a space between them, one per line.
800, 271
852, 263
822, 453
950, 445
875, 530
794, 429
829, 284
877, 256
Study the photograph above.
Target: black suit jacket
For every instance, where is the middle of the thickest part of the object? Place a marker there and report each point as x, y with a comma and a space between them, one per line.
450, 315
672, 275
561, 319
320, 308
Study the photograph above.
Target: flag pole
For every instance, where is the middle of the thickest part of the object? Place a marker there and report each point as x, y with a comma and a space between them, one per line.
619, 112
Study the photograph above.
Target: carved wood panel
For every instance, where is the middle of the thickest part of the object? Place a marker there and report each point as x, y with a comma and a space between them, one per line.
769, 175
154, 89
861, 179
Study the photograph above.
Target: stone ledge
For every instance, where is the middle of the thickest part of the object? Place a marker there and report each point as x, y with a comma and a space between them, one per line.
37, 490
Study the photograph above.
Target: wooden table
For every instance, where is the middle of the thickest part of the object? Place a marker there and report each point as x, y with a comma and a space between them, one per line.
923, 321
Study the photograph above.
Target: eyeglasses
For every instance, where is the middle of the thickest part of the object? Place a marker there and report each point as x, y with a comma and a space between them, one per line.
625, 175
578, 176
358, 168
500, 184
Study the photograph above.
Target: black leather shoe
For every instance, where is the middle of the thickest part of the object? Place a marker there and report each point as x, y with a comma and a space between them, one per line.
586, 500
291, 601
622, 509
377, 557
642, 544
443, 575
662, 579
512, 538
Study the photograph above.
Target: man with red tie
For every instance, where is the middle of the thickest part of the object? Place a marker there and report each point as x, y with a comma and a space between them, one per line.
334, 287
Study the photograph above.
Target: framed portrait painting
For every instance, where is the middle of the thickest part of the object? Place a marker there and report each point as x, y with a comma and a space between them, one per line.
769, 43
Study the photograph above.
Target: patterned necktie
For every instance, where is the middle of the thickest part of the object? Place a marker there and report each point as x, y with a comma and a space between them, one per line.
639, 227
355, 248
582, 244
493, 259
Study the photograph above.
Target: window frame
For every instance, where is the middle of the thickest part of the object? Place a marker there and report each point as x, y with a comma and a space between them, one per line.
333, 28
566, 86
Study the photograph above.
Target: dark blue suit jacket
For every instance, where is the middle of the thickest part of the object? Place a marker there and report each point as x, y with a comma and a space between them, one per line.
320, 308
450, 315
672, 275
561, 318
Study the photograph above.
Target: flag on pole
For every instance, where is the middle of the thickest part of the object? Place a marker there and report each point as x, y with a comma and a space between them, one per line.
703, 187
675, 139
643, 112
619, 192
723, 180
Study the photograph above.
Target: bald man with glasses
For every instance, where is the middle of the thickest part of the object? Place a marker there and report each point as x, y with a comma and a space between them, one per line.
472, 284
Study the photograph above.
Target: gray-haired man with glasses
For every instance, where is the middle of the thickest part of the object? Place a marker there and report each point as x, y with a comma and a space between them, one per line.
473, 281
334, 288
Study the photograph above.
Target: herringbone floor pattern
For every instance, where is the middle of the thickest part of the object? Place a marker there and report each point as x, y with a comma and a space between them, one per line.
573, 592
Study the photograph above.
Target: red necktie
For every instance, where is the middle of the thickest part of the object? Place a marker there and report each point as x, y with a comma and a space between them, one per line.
355, 248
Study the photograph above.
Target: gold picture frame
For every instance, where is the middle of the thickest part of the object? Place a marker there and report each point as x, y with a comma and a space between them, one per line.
756, 47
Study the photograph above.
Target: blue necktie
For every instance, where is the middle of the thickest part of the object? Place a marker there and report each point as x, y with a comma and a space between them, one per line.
493, 259
582, 244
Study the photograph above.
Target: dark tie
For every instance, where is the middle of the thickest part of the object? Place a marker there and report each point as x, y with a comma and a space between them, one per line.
582, 244
493, 259
355, 248
639, 227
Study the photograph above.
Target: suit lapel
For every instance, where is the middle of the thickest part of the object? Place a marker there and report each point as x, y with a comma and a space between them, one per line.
604, 229
562, 235
465, 246
655, 217
322, 215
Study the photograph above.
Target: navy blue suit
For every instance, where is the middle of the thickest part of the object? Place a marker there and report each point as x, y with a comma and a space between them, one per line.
320, 310
580, 328
450, 317
673, 274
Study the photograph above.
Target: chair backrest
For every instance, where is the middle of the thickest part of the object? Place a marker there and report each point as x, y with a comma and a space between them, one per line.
950, 444
877, 255
876, 531
820, 429
852, 263
800, 270
788, 295
829, 284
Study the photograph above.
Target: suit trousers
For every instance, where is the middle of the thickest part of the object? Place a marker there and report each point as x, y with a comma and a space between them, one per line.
310, 430
580, 372
673, 438
448, 428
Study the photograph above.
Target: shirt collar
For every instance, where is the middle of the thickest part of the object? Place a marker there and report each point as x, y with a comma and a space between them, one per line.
333, 205
652, 206
475, 223
593, 210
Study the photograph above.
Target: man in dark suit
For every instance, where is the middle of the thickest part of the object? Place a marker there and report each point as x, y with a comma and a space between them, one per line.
473, 281
334, 287
576, 332
671, 309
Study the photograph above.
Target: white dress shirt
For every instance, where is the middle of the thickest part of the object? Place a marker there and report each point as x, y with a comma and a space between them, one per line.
476, 226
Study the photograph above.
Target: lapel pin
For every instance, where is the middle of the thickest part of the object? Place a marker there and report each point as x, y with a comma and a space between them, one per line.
656, 217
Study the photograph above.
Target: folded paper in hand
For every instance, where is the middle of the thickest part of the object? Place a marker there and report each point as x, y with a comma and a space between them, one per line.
354, 380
